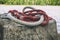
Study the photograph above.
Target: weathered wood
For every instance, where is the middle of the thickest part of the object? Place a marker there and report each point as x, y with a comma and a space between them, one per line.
14, 31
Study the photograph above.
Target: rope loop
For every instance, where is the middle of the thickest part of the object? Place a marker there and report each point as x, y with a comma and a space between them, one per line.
30, 15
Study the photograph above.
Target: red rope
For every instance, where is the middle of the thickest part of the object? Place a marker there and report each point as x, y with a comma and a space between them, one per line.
31, 16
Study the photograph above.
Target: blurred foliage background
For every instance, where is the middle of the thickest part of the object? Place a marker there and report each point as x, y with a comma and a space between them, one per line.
30, 2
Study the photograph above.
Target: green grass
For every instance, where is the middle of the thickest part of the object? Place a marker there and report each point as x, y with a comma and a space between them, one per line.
30, 2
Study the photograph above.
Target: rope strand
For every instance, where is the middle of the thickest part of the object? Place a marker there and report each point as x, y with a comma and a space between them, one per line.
30, 17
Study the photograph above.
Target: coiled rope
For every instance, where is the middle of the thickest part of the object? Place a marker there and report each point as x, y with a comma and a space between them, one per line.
30, 15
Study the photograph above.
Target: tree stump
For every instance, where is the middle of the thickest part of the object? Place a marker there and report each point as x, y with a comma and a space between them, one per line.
14, 31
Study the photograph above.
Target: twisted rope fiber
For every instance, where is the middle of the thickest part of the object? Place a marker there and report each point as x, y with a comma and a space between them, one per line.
30, 17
